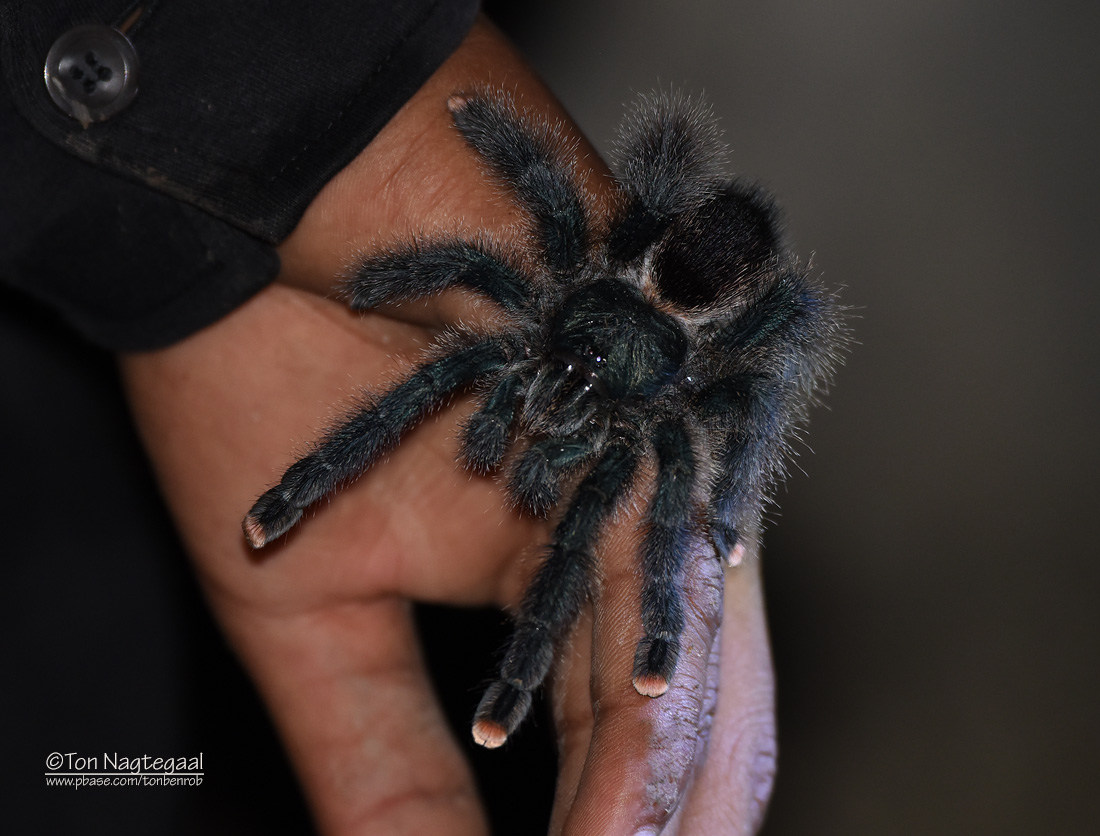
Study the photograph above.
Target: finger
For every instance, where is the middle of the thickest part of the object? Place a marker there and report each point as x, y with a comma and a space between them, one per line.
348, 692
338, 663
574, 718
628, 761
731, 790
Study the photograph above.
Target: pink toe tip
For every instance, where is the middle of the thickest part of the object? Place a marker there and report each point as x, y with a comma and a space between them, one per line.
650, 684
257, 538
489, 734
736, 555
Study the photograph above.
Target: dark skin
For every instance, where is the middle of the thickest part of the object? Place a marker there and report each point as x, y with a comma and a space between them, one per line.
322, 620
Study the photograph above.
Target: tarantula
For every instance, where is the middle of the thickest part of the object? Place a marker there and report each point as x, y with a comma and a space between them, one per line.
685, 331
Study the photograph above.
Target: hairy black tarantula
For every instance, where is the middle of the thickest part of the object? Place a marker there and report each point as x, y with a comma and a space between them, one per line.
686, 332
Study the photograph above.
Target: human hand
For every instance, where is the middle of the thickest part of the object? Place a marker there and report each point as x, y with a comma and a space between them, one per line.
322, 620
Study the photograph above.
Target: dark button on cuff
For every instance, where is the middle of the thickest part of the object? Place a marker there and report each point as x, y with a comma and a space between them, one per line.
91, 73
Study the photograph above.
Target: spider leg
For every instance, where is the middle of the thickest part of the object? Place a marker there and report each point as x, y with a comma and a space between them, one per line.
414, 271
670, 161
555, 597
784, 311
793, 327
350, 448
527, 156
791, 333
538, 474
751, 459
664, 549
485, 436
737, 499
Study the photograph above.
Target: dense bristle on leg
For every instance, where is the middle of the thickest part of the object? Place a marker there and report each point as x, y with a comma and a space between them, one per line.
417, 270
350, 448
538, 475
537, 162
485, 436
555, 597
664, 549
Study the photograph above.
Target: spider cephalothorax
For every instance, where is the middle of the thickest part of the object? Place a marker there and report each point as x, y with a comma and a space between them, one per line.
684, 332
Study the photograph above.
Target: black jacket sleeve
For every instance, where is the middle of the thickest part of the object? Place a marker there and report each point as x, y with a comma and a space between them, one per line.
144, 227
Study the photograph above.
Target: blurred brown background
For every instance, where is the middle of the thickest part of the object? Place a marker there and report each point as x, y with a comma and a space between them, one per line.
933, 582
